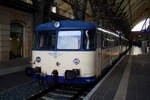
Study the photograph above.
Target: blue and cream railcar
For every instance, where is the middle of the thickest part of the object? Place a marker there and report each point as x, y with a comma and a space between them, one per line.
72, 51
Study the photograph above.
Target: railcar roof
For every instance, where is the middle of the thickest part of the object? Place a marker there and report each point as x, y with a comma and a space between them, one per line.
66, 24
108, 32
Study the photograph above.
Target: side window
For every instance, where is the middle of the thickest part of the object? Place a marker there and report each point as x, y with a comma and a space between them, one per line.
116, 41
109, 40
112, 41
105, 40
99, 39
89, 40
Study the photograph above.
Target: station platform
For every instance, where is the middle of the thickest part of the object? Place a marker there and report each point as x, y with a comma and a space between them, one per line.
12, 73
129, 79
13, 80
14, 65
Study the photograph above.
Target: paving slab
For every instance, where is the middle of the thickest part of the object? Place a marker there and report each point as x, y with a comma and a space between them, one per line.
128, 80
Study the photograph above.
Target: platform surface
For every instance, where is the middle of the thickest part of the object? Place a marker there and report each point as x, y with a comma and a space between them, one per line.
14, 65
12, 80
128, 80
12, 73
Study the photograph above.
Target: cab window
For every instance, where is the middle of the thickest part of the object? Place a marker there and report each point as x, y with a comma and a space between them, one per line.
89, 40
46, 40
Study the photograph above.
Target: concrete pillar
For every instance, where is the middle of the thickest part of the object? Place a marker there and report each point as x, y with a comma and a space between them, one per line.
4, 34
42, 11
95, 12
79, 9
4, 42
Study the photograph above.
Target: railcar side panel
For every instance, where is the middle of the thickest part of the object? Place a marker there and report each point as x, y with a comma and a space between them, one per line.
115, 52
106, 57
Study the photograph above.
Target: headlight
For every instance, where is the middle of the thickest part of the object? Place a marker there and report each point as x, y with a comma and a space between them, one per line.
38, 59
57, 24
76, 61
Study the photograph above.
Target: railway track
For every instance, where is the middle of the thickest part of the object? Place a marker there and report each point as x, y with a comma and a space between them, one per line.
62, 92
66, 92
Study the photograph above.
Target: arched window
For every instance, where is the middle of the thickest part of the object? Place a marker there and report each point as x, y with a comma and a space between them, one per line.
16, 40
16, 28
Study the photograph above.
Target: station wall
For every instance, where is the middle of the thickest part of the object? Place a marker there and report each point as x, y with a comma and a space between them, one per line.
8, 16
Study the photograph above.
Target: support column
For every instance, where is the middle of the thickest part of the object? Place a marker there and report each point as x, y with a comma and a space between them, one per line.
80, 12
4, 34
95, 12
4, 42
42, 11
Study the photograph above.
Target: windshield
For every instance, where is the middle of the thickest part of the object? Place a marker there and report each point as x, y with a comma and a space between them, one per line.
46, 40
66, 40
69, 40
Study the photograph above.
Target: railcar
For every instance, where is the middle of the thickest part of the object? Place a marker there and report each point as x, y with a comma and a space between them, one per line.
74, 52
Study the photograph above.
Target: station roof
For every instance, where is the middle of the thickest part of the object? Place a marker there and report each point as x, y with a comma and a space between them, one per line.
69, 24
134, 10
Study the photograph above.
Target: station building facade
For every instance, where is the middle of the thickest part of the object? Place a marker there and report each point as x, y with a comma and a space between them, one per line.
17, 29
17, 26
16, 33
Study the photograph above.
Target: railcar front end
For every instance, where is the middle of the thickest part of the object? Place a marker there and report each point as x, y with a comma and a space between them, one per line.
65, 53
73, 52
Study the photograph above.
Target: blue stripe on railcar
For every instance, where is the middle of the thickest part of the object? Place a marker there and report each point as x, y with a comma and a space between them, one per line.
61, 79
